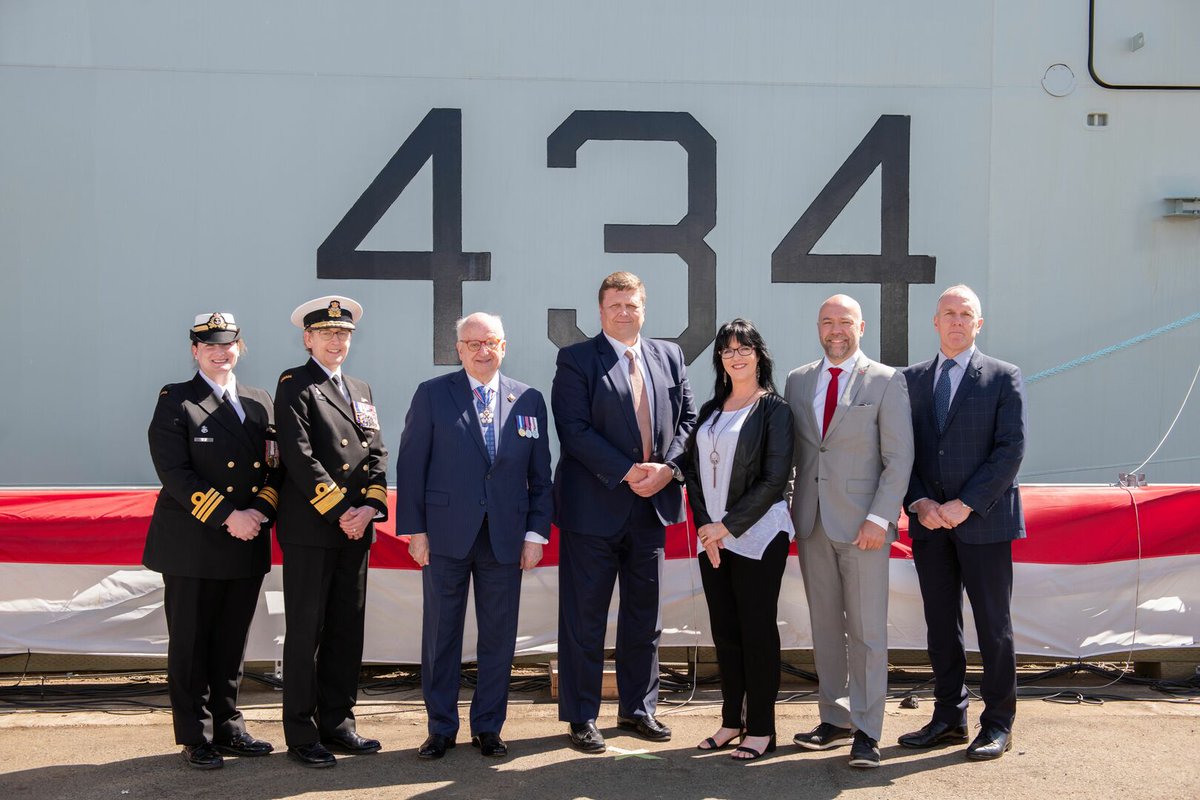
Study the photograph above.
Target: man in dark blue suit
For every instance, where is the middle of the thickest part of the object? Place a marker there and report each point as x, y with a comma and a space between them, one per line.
964, 513
474, 495
623, 411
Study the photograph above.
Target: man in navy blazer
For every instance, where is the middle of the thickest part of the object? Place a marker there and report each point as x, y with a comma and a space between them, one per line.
964, 513
623, 410
473, 476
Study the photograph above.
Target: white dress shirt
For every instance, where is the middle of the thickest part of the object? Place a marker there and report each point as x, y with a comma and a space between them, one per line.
621, 347
230, 391
961, 361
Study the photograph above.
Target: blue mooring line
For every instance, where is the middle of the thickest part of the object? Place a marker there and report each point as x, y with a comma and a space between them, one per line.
1079, 362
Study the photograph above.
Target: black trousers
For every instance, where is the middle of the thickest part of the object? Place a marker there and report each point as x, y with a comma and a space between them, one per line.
208, 621
743, 604
325, 601
589, 568
945, 567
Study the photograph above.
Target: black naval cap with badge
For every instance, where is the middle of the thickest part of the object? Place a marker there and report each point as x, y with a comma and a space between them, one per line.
218, 327
330, 311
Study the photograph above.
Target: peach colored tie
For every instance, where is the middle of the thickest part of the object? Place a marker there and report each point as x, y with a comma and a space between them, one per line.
641, 402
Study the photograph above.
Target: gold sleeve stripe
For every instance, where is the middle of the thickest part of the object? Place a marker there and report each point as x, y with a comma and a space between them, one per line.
327, 496
204, 504
271, 496
377, 493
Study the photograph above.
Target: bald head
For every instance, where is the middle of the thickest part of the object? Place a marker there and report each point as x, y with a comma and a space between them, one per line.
840, 326
840, 303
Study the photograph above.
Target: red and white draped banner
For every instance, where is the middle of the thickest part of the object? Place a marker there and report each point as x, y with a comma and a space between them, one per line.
1104, 570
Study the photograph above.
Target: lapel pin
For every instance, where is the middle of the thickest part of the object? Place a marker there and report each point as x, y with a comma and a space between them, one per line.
511, 397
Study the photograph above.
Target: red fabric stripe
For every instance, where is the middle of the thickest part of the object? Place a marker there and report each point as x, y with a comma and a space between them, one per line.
1066, 524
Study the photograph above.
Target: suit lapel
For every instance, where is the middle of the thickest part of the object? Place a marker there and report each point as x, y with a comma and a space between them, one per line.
611, 363
505, 406
849, 391
806, 390
464, 399
222, 413
658, 379
965, 386
326, 387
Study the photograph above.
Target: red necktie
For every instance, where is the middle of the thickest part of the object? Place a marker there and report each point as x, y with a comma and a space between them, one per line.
831, 398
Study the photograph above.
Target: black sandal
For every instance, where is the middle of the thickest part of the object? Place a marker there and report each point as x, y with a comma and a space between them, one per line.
754, 754
713, 745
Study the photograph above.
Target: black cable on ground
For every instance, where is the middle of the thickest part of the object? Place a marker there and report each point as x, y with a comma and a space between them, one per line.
135, 693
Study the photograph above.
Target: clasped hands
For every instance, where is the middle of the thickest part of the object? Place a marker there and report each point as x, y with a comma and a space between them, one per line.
933, 515
355, 521
712, 538
647, 479
244, 525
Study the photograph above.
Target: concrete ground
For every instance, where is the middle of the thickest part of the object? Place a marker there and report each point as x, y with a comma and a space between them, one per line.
1140, 750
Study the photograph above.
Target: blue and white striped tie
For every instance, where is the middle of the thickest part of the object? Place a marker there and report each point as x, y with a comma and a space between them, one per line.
483, 401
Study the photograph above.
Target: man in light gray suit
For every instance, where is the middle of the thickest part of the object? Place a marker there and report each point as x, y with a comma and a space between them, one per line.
854, 453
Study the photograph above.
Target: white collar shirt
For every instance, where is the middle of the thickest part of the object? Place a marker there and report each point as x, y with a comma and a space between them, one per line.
961, 361
636, 347
230, 392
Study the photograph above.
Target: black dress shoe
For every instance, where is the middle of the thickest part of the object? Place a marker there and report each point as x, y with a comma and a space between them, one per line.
351, 743
864, 753
312, 755
435, 746
822, 737
934, 733
647, 727
490, 744
990, 744
202, 756
586, 737
245, 745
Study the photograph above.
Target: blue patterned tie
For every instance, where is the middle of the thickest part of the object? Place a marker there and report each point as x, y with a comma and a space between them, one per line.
483, 401
941, 395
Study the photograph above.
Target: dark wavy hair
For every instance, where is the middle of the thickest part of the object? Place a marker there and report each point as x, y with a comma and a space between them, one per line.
741, 330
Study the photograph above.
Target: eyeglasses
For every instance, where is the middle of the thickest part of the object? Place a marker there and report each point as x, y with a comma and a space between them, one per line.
340, 334
474, 344
744, 351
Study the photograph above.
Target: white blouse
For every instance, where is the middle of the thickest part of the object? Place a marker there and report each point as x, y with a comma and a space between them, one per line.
720, 434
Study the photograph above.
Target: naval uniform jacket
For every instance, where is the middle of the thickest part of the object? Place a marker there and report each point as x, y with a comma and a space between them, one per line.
335, 459
210, 464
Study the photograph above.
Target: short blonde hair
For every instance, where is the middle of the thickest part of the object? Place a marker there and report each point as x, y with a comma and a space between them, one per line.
622, 282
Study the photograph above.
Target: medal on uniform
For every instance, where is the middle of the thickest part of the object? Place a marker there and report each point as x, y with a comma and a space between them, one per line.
533, 428
521, 426
485, 416
366, 416
271, 454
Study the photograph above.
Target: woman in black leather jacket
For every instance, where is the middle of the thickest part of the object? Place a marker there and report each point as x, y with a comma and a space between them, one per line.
737, 467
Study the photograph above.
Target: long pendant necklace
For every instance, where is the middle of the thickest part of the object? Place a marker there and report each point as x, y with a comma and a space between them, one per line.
714, 457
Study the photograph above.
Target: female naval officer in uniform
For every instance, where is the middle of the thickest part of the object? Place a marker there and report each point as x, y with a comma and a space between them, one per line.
212, 443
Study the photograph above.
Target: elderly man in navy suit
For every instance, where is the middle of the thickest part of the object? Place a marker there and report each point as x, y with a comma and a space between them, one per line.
623, 411
965, 511
474, 495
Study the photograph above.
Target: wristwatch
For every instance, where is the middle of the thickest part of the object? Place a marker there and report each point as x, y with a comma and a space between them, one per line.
676, 472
